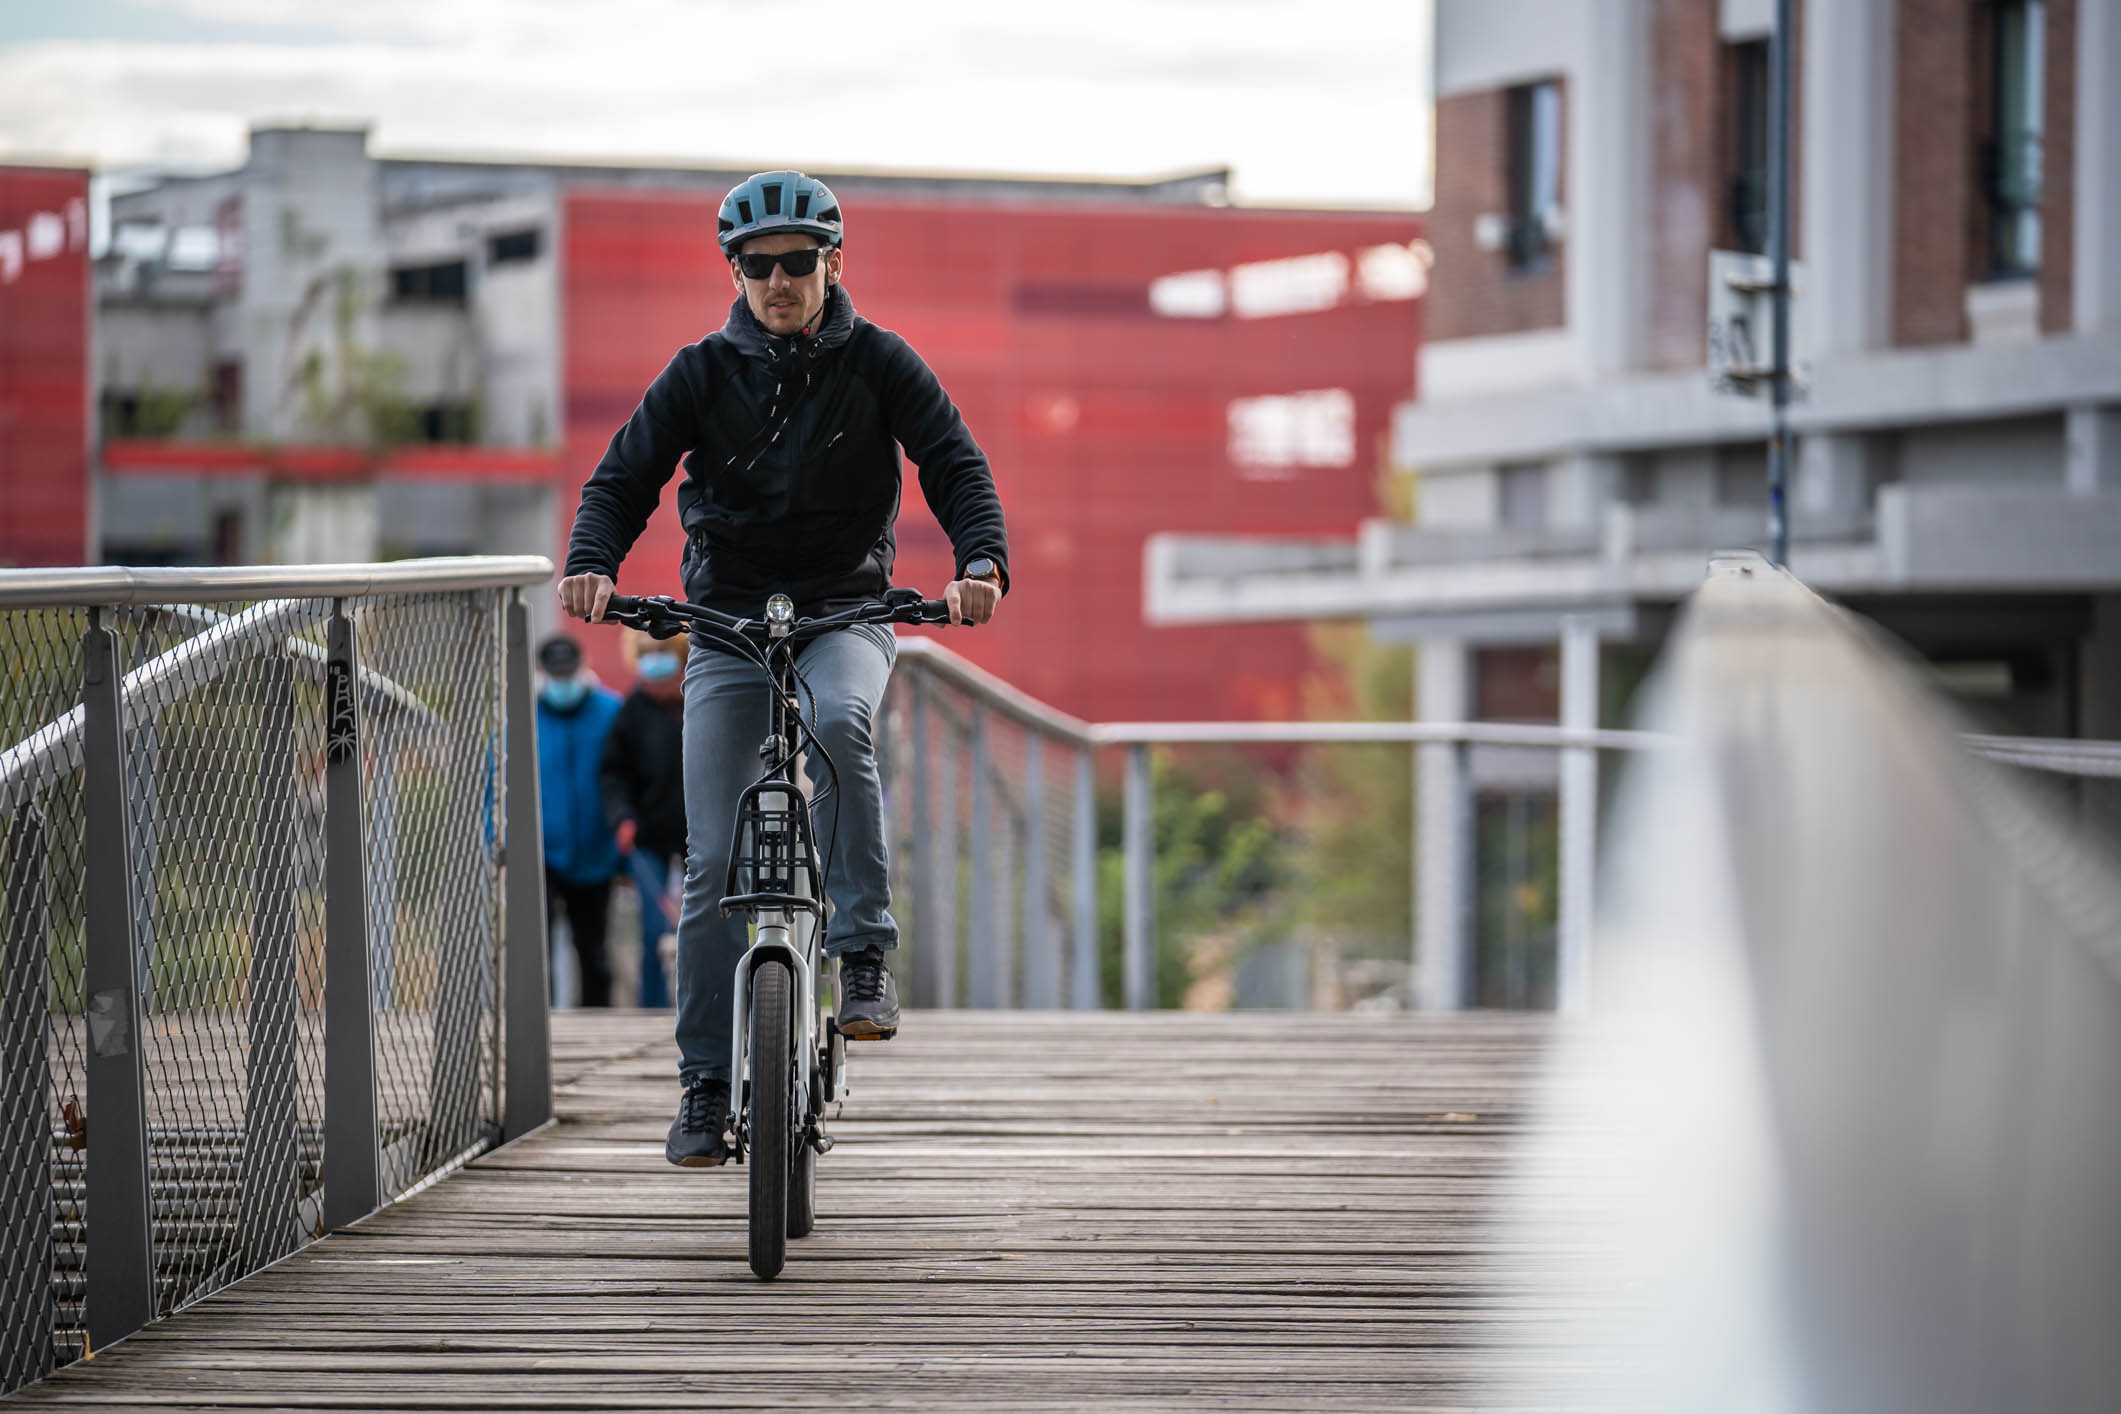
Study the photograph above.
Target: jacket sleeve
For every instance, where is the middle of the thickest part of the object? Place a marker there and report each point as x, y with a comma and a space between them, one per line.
616, 776
623, 491
955, 477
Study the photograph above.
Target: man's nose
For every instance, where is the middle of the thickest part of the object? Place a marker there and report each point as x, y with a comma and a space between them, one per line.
779, 279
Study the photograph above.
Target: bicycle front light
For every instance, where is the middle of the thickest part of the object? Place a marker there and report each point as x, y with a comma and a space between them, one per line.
780, 611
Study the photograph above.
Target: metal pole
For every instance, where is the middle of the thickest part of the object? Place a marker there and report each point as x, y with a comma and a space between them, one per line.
353, 1185
1088, 983
26, 1102
1579, 814
1041, 958
525, 984
121, 1260
941, 849
982, 975
1465, 867
271, 1223
927, 889
1779, 253
1140, 936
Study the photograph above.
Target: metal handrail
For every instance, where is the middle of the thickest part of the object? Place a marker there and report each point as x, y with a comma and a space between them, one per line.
2068, 756
122, 584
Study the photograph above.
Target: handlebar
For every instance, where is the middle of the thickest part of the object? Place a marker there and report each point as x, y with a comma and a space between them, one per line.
665, 617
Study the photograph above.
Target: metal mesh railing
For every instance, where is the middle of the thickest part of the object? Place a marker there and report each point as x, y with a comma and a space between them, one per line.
432, 796
992, 832
205, 1074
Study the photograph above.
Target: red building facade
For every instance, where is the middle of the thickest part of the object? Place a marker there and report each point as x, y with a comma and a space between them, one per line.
44, 373
1128, 369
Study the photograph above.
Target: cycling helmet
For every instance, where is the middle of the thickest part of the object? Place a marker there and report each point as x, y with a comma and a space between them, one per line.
768, 202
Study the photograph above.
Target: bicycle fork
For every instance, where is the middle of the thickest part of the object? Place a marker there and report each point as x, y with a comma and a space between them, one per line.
777, 940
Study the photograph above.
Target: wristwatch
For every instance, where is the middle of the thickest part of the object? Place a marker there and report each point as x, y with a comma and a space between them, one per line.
982, 567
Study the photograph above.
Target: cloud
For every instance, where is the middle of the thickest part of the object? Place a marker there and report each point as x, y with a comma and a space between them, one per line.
1322, 103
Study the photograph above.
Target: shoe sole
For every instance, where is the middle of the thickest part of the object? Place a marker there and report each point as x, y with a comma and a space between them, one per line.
699, 1161
867, 1031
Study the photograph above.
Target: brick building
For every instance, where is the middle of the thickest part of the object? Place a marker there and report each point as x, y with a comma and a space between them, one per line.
1956, 219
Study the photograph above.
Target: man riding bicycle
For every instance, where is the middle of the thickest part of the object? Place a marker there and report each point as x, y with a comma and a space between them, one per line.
790, 420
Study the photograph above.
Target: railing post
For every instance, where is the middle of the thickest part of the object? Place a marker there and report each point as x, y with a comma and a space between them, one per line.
1140, 936
270, 1193
927, 938
1579, 814
525, 983
1088, 982
25, 1101
982, 943
1002, 951
1041, 958
352, 1158
940, 849
121, 1259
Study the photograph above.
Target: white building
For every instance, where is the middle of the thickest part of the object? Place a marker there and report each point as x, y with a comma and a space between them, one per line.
1957, 168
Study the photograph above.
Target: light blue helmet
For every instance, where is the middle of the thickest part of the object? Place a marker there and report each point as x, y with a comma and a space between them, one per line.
768, 202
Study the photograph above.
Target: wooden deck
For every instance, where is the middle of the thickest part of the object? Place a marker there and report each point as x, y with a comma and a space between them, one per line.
1024, 1211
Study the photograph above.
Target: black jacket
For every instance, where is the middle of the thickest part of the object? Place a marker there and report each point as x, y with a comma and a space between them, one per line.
644, 773
791, 451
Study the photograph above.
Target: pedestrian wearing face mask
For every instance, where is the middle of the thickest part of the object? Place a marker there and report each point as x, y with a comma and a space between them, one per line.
644, 796
575, 714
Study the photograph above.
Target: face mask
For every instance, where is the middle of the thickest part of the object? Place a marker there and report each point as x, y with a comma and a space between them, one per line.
656, 667
565, 694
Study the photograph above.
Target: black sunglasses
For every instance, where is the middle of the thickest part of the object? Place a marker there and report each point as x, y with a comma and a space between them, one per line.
797, 263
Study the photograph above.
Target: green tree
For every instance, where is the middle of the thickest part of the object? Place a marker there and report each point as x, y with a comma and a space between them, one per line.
1219, 865
1353, 859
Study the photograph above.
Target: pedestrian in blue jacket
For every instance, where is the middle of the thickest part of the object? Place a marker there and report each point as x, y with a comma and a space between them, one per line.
581, 856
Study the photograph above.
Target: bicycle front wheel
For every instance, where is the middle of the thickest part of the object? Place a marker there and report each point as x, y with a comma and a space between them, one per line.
771, 1131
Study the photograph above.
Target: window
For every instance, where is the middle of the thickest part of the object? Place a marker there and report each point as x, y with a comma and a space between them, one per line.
1534, 146
515, 245
1747, 184
446, 422
2016, 129
444, 282
1523, 495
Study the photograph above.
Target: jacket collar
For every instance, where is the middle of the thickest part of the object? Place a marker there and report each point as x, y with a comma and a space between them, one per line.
835, 322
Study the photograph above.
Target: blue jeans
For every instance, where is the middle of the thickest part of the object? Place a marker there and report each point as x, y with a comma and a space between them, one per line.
728, 710
651, 881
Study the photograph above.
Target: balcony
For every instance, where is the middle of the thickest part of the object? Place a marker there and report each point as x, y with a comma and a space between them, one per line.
1926, 539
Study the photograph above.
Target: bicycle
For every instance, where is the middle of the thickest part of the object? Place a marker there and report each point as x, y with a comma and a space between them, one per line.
788, 1060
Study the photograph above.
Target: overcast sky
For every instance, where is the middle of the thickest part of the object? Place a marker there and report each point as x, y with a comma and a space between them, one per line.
1311, 102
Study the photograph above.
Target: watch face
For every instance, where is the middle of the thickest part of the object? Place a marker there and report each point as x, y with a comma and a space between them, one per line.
980, 568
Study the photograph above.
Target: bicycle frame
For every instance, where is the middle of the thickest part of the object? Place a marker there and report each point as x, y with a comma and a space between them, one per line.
785, 890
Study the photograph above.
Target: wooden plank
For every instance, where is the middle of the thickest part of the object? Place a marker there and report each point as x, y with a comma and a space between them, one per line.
1024, 1211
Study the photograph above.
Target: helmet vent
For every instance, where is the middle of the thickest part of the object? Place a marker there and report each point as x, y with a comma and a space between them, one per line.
831, 213
743, 211
772, 192
802, 204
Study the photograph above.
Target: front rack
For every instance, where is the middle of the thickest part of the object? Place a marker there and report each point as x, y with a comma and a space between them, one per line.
774, 863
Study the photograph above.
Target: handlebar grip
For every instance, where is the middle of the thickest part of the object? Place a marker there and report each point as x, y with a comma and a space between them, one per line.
621, 604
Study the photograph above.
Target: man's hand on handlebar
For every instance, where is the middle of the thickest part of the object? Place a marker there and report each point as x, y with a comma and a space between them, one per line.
972, 601
583, 596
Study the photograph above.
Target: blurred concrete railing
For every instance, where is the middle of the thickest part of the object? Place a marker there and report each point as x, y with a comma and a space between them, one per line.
1842, 1126
253, 980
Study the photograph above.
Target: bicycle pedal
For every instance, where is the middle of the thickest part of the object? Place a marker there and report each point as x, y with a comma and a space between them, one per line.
869, 1034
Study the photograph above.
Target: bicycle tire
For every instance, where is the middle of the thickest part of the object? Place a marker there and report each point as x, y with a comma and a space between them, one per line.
771, 1131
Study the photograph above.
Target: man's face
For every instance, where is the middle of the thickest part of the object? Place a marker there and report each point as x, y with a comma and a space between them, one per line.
782, 302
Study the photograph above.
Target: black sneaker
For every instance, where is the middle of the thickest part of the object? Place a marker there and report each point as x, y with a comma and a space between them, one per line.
868, 997
698, 1136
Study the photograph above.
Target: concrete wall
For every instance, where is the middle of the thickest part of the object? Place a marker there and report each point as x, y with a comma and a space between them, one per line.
2021, 451
1493, 43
